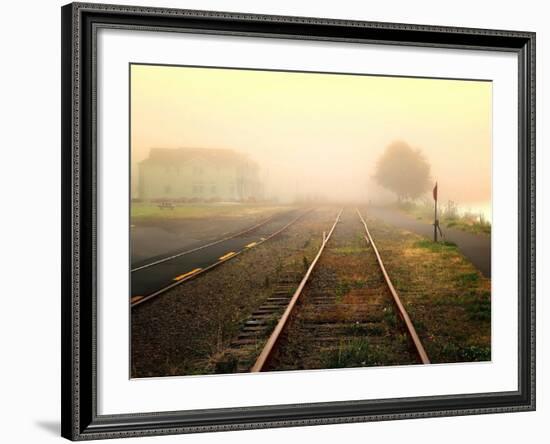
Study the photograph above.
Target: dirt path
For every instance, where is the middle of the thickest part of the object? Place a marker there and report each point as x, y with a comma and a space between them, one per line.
475, 247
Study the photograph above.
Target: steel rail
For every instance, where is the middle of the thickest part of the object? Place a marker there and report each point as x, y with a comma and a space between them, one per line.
217, 241
271, 343
215, 264
401, 309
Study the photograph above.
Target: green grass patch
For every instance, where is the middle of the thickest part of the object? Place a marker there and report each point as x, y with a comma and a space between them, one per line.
470, 227
390, 318
451, 350
479, 308
344, 286
436, 247
448, 216
448, 300
371, 329
350, 353
347, 250
152, 211
476, 353
467, 279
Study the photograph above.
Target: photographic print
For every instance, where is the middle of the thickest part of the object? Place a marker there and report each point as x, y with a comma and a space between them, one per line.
285, 221
275, 221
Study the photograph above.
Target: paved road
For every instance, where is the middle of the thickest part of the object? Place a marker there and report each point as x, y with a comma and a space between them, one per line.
475, 247
153, 240
146, 281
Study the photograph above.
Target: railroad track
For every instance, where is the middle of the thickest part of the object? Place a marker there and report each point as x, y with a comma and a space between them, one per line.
419, 348
197, 271
324, 319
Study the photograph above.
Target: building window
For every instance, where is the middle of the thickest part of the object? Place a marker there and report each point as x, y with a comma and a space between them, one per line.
213, 189
167, 189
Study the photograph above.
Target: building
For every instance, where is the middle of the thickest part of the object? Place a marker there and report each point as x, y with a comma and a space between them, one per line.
198, 174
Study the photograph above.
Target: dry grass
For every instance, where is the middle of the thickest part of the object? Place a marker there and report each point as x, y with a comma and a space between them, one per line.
448, 300
148, 212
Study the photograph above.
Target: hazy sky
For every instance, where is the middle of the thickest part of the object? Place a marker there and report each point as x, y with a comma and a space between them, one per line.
319, 132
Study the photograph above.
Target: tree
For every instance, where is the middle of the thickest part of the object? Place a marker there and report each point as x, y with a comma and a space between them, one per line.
403, 170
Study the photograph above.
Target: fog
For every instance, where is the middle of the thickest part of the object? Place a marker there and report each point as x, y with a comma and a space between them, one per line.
318, 134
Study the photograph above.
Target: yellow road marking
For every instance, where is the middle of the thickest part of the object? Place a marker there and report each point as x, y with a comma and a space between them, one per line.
135, 299
189, 273
227, 256
250, 245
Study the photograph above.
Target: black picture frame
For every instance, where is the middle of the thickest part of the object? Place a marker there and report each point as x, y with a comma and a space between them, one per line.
79, 170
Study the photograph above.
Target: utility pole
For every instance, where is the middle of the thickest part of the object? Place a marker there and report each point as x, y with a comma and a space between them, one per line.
436, 222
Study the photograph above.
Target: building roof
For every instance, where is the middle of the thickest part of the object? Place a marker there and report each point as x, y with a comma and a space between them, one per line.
171, 156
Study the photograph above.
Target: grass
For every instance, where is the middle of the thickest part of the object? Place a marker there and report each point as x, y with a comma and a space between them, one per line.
475, 353
436, 247
389, 317
471, 226
360, 351
455, 353
344, 286
349, 249
446, 297
350, 353
370, 329
448, 217
150, 211
467, 279
479, 307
